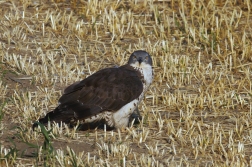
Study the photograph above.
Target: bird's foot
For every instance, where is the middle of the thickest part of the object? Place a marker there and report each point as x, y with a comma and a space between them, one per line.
135, 117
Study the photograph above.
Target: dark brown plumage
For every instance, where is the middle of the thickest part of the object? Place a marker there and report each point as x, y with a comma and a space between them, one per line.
111, 94
102, 91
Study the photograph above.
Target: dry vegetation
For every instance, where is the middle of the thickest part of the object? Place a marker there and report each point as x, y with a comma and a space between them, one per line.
197, 112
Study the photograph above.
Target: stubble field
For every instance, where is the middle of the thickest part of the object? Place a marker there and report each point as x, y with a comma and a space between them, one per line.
197, 112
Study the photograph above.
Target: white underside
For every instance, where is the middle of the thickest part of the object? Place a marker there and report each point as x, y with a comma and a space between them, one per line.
117, 119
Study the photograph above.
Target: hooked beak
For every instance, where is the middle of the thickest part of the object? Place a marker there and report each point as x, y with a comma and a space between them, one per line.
140, 60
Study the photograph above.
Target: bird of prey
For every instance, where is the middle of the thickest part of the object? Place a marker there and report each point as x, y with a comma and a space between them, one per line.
111, 94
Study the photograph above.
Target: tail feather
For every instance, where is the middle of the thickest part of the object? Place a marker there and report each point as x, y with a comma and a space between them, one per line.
57, 115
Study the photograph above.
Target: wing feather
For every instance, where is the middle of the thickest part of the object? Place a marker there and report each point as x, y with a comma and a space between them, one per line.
106, 90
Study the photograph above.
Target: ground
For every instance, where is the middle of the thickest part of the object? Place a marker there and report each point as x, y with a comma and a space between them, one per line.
197, 112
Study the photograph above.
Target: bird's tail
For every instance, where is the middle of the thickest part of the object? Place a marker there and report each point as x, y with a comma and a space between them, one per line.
57, 115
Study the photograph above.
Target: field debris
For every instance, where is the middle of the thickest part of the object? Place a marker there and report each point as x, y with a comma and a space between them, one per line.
197, 112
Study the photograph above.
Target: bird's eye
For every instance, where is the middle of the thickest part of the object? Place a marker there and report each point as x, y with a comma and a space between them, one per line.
134, 58
146, 59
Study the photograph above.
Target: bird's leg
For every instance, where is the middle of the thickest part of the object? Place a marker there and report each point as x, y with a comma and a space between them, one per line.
135, 115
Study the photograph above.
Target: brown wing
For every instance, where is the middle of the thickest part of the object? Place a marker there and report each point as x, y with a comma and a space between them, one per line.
106, 90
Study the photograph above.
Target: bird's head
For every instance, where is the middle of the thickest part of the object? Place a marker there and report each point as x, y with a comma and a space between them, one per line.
140, 59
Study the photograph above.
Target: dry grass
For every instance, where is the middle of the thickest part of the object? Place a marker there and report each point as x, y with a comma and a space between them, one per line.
197, 112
